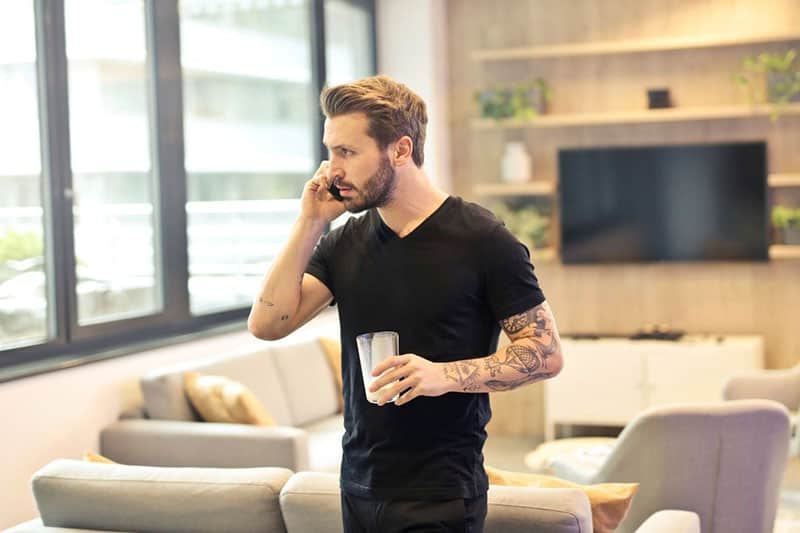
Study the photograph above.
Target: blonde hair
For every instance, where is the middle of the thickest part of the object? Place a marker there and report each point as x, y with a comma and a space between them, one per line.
393, 110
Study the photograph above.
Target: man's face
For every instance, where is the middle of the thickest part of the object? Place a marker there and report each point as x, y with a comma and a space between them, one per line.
363, 172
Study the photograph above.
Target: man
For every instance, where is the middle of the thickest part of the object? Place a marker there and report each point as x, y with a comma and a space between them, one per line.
442, 272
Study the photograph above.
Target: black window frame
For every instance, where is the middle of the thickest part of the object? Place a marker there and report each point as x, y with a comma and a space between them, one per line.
73, 344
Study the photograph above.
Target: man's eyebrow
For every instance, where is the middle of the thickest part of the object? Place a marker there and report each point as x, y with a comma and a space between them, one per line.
338, 146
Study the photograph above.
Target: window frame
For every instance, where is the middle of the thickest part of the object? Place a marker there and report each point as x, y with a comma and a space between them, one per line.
69, 343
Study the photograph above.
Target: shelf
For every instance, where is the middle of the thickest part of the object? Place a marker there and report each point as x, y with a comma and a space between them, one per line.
784, 251
626, 47
535, 188
784, 180
676, 114
543, 254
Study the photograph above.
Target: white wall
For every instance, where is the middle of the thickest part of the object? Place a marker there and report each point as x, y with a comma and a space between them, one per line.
412, 48
60, 414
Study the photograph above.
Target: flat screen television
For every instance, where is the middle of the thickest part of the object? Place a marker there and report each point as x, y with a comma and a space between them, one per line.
704, 202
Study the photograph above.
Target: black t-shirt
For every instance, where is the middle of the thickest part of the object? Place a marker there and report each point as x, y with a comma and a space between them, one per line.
444, 288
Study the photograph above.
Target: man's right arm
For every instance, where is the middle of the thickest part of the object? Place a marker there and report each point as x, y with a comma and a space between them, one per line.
288, 297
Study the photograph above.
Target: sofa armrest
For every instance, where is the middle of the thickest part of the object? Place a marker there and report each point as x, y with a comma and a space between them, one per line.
525, 509
782, 386
671, 521
36, 526
78, 494
204, 444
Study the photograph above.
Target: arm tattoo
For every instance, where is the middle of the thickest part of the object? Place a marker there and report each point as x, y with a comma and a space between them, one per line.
534, 319
534, 339
521, 358
265, 302
465, 373
497, 385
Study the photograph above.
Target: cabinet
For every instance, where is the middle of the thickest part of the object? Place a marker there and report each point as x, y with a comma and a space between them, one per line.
608, 381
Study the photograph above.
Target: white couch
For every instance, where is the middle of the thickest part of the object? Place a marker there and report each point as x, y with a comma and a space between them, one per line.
293, 381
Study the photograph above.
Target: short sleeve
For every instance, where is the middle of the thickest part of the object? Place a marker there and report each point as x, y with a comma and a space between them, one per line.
321, 260
511, 283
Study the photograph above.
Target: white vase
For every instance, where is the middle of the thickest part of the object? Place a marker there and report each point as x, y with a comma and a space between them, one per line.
516, 164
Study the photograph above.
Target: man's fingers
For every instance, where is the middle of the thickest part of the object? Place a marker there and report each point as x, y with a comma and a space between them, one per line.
395, 389
407, 396
389, 377
390, 362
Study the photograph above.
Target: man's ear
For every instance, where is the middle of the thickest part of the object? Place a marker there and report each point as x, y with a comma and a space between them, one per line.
401, 152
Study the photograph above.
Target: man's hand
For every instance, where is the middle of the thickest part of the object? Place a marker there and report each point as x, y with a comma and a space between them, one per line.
318, 203
420, 376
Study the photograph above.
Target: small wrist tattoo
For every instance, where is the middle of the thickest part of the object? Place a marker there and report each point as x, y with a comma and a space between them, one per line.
265, 302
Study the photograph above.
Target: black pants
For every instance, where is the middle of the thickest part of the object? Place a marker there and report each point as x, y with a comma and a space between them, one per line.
367, 515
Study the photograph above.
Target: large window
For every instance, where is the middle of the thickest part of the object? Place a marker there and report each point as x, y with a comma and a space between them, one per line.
23, 279
113, 199
158, 152
249, 130
349, 39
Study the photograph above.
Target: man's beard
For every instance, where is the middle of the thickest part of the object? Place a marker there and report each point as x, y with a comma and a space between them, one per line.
377, 191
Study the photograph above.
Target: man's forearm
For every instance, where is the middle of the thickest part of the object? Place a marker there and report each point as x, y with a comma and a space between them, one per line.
279, 295
523, 361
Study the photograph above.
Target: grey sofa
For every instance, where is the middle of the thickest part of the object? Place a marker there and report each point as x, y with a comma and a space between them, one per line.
295, 383
74, 496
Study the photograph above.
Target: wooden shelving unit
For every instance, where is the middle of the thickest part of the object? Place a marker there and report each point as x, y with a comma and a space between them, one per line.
627, 47
676, 114
784, 251
544, 254
784, 180
534, 188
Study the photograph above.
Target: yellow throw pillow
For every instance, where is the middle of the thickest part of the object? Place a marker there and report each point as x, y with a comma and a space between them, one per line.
333, 352
91, 457
610, 501
219, 399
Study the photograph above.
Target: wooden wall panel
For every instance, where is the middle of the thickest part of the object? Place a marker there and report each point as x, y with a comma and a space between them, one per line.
718, 298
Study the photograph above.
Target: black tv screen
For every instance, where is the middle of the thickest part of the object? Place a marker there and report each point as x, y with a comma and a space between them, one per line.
664, 203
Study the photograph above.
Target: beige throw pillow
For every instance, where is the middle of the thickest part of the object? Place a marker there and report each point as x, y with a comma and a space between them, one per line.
333, 353
220, 399
610, 501
91, 457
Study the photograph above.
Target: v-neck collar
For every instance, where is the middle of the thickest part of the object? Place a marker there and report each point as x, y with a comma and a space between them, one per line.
388, 233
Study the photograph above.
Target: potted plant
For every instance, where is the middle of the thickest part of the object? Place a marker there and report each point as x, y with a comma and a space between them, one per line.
524, 100
780, 73
531, 225
787, 220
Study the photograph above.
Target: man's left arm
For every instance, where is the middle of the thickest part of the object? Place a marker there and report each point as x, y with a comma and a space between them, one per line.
533, 355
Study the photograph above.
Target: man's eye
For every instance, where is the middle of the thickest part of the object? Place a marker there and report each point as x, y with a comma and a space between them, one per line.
346, 152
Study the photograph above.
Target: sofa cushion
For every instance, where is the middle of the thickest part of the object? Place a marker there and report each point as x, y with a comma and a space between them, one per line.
221, 399
610, 501
165, 399
311, 501
78, 494
325, 443
333, 353
308, 381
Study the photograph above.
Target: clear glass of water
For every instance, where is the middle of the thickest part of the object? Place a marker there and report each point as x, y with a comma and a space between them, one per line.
373, 348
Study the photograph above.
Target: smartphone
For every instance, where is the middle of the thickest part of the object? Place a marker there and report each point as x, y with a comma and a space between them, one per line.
334, 190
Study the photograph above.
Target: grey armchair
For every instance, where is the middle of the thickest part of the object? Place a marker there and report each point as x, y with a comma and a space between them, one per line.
782, 386
722, 460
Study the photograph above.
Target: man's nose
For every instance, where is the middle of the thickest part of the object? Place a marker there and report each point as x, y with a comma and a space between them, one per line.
335, 170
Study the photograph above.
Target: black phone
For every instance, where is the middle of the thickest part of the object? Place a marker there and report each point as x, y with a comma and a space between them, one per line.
334, 190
